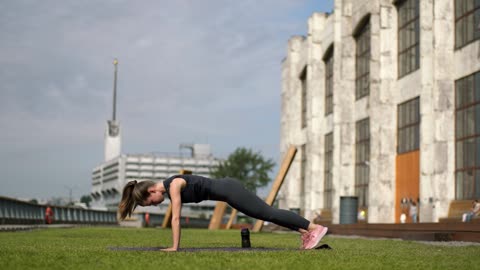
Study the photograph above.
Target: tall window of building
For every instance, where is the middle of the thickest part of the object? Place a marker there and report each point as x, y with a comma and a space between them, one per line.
362, 159
328, 59
362, 67
408, 126
467, 137
408, 37
328, 160
303, 81
467, 22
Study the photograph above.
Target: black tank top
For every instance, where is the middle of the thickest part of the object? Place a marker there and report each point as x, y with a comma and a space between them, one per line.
196, 190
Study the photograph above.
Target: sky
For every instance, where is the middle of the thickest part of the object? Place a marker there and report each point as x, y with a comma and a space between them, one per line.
190, 71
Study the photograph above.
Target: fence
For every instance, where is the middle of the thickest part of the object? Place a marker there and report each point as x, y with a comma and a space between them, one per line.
18, 212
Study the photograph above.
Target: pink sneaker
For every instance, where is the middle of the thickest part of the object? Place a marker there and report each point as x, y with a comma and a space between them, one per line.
313, 238
306, 238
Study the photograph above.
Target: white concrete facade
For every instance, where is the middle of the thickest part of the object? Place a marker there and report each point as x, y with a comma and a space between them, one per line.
440, 65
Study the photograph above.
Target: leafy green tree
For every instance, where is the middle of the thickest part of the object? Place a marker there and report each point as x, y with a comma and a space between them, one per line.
243, 164
86, 199
34, 201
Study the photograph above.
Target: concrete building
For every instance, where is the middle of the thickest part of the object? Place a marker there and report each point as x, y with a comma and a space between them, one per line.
382, 99
109, 178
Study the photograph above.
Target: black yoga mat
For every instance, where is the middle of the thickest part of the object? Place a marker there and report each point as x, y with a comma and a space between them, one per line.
197, 249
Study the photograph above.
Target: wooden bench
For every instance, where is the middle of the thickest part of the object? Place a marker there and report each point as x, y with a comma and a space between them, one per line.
455, 211
325, 217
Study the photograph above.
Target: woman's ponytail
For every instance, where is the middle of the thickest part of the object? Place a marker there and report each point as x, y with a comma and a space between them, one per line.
127, 204
133, 194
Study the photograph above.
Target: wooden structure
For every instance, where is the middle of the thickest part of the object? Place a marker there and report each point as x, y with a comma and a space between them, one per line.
230, 220
469, 232
216, 220
287, 161
324, 217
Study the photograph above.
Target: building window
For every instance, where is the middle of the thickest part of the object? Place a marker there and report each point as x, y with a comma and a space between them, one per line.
408, 37
328, 159
303, 81
362, 158
408, 126
467, 22
328, 59
467, 137
362, 67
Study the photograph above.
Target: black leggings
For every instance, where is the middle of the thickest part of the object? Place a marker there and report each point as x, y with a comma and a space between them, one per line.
232, 191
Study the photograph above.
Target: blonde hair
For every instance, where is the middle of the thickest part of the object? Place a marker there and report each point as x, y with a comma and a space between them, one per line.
134, 193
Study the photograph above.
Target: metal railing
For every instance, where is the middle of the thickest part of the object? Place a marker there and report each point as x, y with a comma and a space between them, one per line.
13, 211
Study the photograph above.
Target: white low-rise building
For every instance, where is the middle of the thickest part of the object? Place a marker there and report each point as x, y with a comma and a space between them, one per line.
109, 178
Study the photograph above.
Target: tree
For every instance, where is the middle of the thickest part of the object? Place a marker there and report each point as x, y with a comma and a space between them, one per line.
243, 164
34, 201
86, 199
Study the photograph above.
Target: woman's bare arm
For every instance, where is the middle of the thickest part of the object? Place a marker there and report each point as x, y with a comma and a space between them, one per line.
176, 201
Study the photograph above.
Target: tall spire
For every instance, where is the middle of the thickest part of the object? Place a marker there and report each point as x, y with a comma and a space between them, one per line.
112, 134
115, 63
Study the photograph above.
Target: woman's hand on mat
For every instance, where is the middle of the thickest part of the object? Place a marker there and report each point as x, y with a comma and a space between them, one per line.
170, 249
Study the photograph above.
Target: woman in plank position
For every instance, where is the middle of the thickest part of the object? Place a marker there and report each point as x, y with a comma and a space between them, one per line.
193, 188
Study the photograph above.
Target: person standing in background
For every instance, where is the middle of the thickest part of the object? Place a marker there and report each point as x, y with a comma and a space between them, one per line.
413, 211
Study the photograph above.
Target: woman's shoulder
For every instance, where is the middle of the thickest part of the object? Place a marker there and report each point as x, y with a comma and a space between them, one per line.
189, 178
169, 180
172, 177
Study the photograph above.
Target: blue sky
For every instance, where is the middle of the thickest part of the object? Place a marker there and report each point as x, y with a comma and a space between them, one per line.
189, 71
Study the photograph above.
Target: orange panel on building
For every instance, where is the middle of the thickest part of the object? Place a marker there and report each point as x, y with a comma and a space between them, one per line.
407, 182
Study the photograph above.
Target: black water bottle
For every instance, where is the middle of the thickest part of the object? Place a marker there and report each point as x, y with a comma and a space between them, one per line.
245, 238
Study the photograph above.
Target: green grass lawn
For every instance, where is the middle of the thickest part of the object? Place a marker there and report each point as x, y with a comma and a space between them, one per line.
87, 248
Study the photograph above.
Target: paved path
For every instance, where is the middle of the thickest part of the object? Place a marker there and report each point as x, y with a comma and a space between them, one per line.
14, 227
